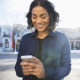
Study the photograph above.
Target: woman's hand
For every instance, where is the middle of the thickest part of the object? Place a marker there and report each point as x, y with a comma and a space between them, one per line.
30, 68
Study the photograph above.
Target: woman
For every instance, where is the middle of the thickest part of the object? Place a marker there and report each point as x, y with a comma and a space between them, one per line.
50, 49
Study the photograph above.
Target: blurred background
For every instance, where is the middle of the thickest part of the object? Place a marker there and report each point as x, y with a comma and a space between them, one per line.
13, 25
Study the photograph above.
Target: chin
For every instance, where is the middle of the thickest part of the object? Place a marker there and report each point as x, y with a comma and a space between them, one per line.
40, 30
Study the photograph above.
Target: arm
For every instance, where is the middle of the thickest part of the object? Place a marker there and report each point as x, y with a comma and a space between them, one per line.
18, 68
63, 70
22, 68
65, 67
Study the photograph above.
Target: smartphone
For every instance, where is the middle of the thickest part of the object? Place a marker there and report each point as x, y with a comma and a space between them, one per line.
27, 58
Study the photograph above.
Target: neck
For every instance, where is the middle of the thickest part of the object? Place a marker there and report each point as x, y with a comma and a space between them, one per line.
42, 35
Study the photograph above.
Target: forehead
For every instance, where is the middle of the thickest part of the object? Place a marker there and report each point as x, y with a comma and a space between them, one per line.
39, 10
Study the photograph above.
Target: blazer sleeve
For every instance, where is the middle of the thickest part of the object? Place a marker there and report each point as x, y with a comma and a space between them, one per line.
65, 67
63, 70
18, 68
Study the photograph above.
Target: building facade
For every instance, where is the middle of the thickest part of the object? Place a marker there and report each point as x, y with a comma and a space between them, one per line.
10, 37
6, 38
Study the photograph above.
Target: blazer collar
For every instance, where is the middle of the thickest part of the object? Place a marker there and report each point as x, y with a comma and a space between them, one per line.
51, 33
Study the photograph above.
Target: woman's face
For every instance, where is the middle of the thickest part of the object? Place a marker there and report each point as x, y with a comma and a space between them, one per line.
40, 18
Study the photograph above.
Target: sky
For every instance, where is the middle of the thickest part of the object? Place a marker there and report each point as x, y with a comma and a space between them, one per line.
14, 12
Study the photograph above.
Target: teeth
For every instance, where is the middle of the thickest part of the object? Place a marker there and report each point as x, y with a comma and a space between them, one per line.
40, 25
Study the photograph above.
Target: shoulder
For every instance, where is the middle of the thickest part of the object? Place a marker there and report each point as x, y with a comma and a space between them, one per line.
27, 36
61, 35
62, 39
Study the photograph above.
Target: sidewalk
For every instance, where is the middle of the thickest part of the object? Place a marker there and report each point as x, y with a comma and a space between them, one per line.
7, 63
9, 75
8, 52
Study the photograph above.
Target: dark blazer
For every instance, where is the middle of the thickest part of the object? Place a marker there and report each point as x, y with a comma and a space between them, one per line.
55, 55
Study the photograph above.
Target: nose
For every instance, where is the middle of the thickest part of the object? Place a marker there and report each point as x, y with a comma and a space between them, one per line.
39, 20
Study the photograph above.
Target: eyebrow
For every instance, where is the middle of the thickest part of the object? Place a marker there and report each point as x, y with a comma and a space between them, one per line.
41, 14
34, 14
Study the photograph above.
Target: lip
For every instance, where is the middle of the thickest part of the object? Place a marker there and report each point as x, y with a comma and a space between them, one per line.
40, 26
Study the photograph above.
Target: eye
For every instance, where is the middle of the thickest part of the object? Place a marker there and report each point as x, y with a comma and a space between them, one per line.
33, 17
43, 16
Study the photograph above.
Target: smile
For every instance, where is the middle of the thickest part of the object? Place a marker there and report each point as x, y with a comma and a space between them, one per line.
40, 26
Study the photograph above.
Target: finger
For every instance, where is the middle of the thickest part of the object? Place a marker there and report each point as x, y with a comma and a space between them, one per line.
36, 59
28, 70
23, 63
27, 64
35, 74
27, 73
32, 65
27, 67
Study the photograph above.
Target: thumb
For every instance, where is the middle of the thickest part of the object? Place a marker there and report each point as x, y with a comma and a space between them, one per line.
36, 60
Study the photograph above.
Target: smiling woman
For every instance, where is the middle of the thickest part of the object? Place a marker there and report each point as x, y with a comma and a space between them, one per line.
50, 49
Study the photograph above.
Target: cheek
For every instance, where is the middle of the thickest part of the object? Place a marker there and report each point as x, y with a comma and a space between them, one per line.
47, 21
43, 21
33, 21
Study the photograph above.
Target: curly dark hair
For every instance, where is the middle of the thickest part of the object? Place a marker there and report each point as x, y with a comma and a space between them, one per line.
54, 16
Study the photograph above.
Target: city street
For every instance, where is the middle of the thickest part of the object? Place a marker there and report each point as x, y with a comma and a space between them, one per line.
7, 62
